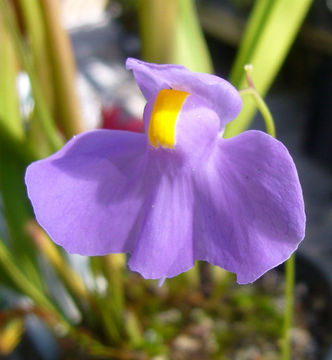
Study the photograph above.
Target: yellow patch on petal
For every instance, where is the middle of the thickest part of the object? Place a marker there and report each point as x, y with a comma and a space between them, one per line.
163, 118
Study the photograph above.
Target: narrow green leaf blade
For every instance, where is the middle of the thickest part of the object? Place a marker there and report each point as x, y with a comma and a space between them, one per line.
271, 47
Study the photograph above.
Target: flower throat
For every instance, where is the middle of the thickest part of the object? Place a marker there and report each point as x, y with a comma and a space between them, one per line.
165, 111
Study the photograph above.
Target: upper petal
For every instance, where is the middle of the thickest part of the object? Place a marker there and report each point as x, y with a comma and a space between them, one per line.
88, 195
249, 213
217, 92
196, 131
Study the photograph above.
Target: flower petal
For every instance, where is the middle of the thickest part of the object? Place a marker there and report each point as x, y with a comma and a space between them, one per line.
249, 212
217, 92
164, 246
87, 196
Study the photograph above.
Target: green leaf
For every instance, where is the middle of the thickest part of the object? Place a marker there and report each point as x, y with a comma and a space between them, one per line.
35, 34
157, 21
271, 30
17, 212
44, 116
189, 45
22, 281
11, 124
171, 33
62, 64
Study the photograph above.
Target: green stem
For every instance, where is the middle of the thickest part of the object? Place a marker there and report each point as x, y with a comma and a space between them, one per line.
72, 280
190, 48
107, 314
267, 116
44, 116
22, 281
113, 269
35, 34
290, 264
21, 149
205, 277
288, 317
63, 69
157, 20
170, 32
10, 120
265, 44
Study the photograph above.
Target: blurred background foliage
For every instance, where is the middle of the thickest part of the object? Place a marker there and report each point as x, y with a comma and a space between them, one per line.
93, 307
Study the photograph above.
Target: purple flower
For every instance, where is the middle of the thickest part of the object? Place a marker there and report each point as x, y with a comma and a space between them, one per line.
180, 192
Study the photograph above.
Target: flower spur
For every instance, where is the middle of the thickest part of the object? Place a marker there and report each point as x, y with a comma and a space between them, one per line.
178, 193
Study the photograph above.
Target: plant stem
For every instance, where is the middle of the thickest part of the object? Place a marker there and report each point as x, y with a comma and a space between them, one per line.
266, 42
63, 69
10, 120
72, 280
267, 116
260, 103
157, 21
170, 32
290, 263
44, 116
205, 278
22, 281
189, 45
288, 316
113, 269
